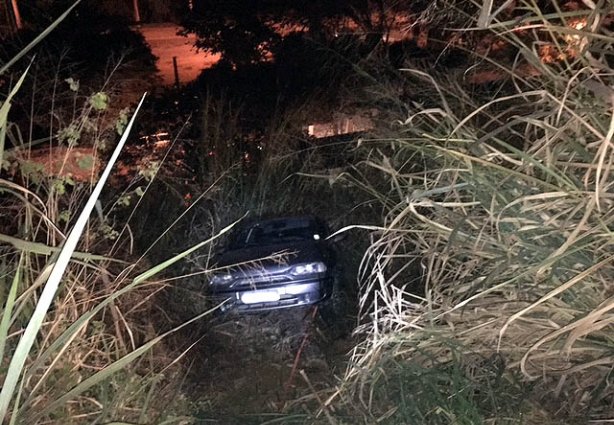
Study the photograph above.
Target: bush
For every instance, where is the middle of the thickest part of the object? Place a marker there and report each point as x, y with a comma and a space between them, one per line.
502, 200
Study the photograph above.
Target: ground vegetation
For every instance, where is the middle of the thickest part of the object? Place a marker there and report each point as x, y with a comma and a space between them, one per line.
477, 213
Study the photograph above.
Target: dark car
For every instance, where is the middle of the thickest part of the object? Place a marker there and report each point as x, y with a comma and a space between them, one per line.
275, 263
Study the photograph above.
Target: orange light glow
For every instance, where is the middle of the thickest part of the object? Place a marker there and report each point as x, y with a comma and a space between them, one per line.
578, 24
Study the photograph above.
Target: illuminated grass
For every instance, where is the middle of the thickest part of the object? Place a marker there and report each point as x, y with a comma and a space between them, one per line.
505, 205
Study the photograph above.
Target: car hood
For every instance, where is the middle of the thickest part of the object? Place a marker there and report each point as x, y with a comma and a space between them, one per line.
296, 252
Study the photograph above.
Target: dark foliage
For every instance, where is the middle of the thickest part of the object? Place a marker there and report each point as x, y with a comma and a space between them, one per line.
88, 46
247, 32
302, 70
86, 41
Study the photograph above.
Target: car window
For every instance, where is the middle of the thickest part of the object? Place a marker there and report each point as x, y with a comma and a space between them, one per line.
277, 231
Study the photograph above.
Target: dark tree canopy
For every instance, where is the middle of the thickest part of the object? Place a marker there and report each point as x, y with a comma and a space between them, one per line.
86, 47
235, 28
247, 31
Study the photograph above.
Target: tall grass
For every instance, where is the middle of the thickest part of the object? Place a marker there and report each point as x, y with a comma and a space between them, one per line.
75, 325
504, 202
78, 339
485, 293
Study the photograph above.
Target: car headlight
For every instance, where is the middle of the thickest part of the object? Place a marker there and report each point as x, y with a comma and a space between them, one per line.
308, 268
220, 279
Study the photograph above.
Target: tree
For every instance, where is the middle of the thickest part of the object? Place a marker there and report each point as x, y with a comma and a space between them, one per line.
234, 28
245, 32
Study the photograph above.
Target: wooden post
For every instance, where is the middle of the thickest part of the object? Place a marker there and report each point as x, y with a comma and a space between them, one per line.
176, 71
137, 13
17, 15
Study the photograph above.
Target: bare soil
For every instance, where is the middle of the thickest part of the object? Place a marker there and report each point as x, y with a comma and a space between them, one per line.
252, 368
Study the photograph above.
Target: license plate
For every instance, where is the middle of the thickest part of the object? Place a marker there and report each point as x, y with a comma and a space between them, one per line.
260, 297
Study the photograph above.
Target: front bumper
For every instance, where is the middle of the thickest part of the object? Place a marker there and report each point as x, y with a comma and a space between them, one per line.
275, 297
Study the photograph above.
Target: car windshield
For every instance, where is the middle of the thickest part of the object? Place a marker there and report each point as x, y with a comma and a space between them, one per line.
277, 231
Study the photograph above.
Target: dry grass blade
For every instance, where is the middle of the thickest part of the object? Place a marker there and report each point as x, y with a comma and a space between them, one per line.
4, 111
42, 249
8, 307
606, 145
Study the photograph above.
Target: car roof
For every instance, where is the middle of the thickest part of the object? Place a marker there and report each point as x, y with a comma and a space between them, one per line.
293, 219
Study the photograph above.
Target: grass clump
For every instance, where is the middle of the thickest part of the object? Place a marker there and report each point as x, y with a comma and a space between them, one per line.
496, 235
80, 334
445, 392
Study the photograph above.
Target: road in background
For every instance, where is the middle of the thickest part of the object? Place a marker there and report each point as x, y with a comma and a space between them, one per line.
166, 44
